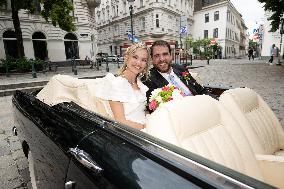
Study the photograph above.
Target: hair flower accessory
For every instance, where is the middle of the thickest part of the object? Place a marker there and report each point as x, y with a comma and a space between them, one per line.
162, 95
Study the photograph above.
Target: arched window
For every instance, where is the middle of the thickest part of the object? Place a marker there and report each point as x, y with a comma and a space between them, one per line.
10, 43
71, 46
40, 47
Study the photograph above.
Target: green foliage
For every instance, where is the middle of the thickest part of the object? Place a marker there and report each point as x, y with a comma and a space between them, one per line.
3, 2
277, 9
253, 44
25, 4
21, 64
58, 11
198, 44
55, 11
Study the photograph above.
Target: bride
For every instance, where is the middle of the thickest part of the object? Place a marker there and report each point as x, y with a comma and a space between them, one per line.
126, 93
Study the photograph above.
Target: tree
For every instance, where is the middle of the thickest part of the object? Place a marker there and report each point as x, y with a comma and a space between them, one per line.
277, 9
56, 11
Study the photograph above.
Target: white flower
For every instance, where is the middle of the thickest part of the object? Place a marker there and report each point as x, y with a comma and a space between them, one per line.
159, 99
155, 93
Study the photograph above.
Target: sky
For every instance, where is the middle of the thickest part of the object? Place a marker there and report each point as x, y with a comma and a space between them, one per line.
252, 12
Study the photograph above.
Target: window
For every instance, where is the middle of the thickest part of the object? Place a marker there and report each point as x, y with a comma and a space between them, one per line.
107, 10
215, 33
40, 46
216, 15
104, 16
205, 33
141, 3
124, 6
157, 21
142, 23
71, 46
116, 30
227, 31
228, 16
10, 42
99, 15
207, 17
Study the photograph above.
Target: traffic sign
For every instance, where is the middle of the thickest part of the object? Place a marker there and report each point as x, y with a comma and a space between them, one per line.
132, 38
183, 29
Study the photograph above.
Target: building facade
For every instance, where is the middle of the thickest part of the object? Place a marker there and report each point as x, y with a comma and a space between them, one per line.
152, 20
43, 40
220, 20
269, 38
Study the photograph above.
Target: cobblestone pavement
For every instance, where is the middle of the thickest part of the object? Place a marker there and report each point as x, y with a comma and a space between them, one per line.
264, 79
13, 164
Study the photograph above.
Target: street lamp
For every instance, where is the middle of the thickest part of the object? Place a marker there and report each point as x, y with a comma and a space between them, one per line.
131, 2
281, 33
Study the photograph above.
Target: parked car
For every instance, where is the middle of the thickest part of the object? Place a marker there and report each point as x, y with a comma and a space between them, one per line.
69, 146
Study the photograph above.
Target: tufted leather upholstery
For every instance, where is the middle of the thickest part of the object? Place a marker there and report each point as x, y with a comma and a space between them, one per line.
256, 119
200, 124
64, 88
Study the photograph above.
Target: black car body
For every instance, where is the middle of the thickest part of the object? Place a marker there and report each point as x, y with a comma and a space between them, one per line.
70, 147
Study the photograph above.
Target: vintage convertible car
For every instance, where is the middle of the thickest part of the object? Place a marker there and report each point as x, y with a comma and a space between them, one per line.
69, 146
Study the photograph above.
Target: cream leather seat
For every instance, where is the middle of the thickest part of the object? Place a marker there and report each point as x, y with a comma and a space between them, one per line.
200, 124
261, 127
64, 88
257, 120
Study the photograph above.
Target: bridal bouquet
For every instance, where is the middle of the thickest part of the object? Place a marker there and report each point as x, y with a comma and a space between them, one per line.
162, 95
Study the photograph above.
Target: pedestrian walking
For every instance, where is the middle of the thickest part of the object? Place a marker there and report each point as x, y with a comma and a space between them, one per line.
253, 54
250, 53
271, 52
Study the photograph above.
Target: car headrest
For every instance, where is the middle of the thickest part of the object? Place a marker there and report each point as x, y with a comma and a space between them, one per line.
246, 98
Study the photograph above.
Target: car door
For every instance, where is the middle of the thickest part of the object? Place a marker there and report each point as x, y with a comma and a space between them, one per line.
48, 133
108, 160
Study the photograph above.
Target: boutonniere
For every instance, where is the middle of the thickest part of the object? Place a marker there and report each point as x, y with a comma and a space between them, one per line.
185, 76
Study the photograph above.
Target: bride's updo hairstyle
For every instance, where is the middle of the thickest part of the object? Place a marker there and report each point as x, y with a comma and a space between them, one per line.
130, 51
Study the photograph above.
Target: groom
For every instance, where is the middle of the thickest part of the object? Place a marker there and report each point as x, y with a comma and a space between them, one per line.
164, 73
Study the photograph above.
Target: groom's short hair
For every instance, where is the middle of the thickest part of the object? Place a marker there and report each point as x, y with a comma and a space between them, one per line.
160, 43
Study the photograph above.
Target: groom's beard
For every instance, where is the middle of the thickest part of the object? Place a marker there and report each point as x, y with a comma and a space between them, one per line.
163, 67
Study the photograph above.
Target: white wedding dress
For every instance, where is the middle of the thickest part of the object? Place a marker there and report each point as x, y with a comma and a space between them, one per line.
119, 89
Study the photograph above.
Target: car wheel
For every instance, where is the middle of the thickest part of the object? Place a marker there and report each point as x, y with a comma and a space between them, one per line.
32, 170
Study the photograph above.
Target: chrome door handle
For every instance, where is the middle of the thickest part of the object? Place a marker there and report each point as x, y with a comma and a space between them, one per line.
85, 159
70, 185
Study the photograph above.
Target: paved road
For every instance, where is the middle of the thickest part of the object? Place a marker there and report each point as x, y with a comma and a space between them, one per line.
266, 80
13, 164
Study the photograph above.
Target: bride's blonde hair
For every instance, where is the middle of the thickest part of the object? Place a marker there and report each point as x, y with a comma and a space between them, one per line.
130, 51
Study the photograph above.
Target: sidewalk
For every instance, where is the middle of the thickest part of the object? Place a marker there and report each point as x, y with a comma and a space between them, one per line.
83, 71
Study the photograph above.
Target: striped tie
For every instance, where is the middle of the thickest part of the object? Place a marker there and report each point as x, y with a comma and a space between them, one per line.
183, 89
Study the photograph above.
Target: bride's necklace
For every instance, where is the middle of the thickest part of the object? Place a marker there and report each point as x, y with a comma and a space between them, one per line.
131, 83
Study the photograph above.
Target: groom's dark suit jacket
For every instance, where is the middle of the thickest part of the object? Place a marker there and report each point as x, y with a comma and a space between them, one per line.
156, 80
